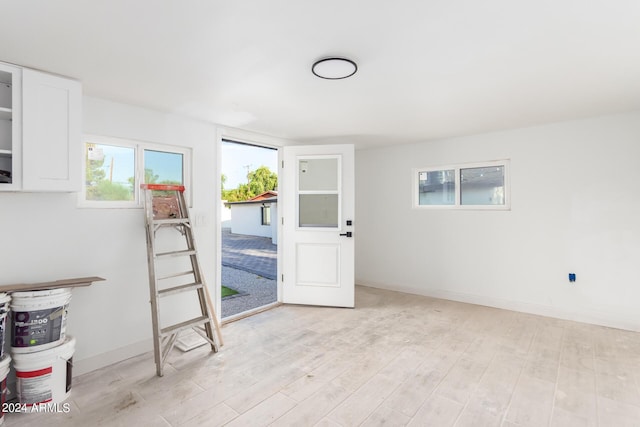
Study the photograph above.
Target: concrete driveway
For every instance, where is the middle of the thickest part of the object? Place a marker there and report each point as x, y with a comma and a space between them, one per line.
254, 254
249, 267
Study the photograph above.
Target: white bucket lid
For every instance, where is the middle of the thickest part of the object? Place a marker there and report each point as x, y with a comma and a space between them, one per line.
38, 300
42, 359
42, 293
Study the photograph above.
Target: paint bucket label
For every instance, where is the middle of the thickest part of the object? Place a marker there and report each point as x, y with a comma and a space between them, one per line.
31, 328
34, 386
44, 376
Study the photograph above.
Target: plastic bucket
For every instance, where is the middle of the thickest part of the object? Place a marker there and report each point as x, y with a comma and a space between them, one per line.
4, 309
44, 376
4, 371
39, 319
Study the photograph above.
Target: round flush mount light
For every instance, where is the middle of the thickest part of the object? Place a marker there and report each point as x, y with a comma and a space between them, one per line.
334, 68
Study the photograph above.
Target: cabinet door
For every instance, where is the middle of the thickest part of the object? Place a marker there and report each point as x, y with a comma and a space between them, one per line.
51, 132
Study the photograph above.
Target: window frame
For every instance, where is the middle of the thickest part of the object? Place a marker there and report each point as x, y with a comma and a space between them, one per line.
263, 213
458, 188
139, 175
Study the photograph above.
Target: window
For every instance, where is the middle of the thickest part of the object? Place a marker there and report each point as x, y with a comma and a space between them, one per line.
114, 169
437, 187
163, 167
482, 186
109, 172
266, 215
474, 186
319, 191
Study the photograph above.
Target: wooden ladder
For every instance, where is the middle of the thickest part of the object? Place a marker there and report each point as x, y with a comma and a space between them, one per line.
171, 211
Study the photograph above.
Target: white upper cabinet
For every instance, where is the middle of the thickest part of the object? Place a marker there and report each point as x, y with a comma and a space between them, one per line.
51, 132
40, 137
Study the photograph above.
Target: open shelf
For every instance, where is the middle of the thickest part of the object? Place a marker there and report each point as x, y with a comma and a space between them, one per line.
7, 128
66, 283
5, 113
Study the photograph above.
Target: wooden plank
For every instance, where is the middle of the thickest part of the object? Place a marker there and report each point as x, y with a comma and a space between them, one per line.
66, 283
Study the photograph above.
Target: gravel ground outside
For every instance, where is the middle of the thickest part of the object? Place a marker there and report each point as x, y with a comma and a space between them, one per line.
254, 291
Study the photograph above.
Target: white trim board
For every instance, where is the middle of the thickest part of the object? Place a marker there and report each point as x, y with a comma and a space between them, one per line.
591, 317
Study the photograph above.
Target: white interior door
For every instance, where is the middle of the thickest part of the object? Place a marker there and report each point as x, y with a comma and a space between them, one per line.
317, 194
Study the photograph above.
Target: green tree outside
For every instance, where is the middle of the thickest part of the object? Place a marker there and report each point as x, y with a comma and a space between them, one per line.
259, 181
105, 190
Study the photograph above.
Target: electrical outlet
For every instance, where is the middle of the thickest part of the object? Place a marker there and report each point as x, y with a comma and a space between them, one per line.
572, 277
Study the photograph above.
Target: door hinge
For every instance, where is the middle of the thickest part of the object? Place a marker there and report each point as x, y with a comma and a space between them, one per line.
283, 164
282, 277
282, 220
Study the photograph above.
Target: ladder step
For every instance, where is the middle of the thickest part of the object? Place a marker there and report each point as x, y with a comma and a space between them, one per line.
176, 253
184, 325
178, 289
171, 276
171, 221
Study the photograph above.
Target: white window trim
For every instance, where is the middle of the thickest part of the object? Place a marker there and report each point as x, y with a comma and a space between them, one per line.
139, 147
456, 167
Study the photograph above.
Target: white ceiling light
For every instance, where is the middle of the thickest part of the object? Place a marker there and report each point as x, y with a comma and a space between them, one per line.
334, 68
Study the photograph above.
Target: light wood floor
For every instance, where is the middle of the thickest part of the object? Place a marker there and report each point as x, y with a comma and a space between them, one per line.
396, 359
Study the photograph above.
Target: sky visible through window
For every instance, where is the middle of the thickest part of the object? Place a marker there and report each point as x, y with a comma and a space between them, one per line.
167, 166
119, 162
239, 159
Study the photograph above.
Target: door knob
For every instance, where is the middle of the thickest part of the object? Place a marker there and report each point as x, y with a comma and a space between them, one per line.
348, 234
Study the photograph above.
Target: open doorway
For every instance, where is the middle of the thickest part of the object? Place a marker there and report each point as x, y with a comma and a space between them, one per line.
249, 228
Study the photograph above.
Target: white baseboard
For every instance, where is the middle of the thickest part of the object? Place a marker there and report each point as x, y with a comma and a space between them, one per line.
109, 358
592, 317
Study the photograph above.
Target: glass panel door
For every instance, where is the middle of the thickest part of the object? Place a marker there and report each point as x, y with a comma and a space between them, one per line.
318, 192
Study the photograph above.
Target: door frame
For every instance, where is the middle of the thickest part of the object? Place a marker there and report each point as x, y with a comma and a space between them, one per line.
258, 140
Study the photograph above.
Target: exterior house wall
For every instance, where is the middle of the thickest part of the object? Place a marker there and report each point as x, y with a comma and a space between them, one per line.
225, 216
574, 209
247, 219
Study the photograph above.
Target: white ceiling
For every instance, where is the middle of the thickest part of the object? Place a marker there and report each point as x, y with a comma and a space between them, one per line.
427, 68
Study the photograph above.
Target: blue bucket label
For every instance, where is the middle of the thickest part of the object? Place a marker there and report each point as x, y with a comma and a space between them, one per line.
32, 328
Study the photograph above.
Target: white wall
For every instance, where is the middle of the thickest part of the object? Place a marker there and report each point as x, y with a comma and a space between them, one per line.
575, 208
47, 237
